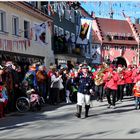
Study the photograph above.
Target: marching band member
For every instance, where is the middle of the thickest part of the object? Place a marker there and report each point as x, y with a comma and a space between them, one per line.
128, 80
98, 81
120, 82
136, 74
110, 78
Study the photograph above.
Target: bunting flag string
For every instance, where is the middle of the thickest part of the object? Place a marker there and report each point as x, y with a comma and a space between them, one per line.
8, 45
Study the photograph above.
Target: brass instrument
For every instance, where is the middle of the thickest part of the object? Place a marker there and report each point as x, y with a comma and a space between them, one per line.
110, 75
99, 77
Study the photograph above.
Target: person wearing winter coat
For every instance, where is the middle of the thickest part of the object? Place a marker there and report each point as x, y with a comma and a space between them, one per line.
54, 87
41, 77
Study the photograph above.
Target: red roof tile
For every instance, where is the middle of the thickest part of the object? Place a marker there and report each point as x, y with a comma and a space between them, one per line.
95, 37
112, 26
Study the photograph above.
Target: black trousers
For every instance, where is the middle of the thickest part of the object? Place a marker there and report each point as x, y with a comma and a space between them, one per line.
120, 92
109, 93
54, 95
129, 89
99, 92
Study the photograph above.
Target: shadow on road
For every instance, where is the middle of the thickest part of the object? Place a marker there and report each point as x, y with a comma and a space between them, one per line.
118, 110
133, 131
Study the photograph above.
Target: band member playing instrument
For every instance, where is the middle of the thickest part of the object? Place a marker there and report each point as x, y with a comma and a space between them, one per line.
120, 82
99, 82
128, 80
110, 78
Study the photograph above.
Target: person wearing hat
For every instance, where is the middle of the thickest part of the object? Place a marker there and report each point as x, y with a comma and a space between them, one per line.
84, 91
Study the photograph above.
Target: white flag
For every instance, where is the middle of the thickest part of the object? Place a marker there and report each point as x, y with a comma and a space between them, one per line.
84, 32
40, 32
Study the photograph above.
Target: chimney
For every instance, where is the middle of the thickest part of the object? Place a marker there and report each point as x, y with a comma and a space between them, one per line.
137, 21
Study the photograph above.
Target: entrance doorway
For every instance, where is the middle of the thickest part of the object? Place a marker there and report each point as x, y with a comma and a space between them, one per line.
119, 60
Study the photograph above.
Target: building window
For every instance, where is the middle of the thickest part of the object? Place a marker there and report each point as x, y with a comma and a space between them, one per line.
107, 47
55, 29
34, 33
78, 17
73, 37
121, 38
115, 37
95, 46
67, 12
116, 47
85, 48
15, 25
134, 48
61, 31
33, 3
67, 33
2, 21
89, 48
26, 29
72, 15
130, 38
123, 47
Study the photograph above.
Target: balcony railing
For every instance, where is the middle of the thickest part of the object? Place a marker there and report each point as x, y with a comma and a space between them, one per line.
68, 50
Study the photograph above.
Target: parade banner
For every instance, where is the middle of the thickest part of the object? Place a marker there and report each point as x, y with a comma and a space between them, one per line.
96, 54
40, 33
84, 32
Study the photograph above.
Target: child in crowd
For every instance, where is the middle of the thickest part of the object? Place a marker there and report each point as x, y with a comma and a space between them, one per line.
136, 91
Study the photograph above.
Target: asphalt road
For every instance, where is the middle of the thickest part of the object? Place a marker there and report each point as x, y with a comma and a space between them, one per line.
59, 122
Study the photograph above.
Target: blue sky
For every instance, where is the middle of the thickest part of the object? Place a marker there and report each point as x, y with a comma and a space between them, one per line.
102, 8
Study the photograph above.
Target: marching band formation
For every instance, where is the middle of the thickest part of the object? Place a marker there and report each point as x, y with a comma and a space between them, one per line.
110, 81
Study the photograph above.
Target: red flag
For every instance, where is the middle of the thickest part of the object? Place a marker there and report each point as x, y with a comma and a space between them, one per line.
49, 8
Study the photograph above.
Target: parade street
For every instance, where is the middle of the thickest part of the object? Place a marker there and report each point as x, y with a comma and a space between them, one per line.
59, 122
